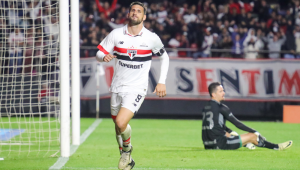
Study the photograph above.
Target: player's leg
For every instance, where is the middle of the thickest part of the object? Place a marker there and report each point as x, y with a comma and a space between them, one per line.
115, 105
248, 145
118, 137
122, 120
234, 142
262, 142
130, 105
249, 138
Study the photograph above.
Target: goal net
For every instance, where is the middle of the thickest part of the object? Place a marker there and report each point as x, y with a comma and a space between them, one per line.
29, 77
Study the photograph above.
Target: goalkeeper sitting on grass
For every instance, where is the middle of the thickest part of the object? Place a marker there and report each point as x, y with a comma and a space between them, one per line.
216, 135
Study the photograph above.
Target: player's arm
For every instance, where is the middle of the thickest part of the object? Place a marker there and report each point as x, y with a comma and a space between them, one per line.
230, 117
106, 48
230, 132
160, 88
160, 51
102, 57
227, 129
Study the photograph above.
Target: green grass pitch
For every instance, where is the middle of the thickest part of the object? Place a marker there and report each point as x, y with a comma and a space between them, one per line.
170, 144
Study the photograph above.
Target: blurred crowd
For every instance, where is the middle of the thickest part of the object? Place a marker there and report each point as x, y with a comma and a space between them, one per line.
29, 30
29, 50
28, 36
203, 28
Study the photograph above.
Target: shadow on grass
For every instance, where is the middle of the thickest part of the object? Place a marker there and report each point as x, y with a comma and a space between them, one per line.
201, 149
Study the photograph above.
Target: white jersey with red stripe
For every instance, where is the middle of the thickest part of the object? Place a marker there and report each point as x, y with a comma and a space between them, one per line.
133, 58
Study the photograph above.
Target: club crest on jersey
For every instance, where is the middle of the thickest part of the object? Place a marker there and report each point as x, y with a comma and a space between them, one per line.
131, 53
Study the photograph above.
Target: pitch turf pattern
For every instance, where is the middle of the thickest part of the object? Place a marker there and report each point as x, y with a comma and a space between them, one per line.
171, 145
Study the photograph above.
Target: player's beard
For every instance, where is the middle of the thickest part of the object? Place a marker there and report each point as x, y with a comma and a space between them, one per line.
223, 98
135, 22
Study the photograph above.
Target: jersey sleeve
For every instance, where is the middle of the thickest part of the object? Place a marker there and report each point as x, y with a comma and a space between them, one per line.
230, 117
164, 66
158, 48
227, 129
107, 45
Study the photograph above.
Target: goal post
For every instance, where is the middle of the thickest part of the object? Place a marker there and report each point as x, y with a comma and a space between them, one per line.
64, 78
75, 72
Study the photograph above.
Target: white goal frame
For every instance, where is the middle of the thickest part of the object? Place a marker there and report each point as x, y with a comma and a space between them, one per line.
65, 75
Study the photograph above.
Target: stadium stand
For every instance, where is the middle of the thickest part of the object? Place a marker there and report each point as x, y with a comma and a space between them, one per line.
205, 28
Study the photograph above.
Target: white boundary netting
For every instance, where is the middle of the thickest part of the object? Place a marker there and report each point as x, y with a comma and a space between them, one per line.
29, 77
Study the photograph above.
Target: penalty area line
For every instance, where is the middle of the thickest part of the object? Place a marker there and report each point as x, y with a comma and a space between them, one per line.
62, 160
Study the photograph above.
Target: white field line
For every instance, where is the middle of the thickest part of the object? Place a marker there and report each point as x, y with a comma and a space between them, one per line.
61, 160
16, 144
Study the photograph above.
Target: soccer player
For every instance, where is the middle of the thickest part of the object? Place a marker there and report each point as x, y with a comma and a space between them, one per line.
132, 47
216, 135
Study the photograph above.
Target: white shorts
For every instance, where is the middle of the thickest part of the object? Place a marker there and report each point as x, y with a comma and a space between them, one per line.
128, 100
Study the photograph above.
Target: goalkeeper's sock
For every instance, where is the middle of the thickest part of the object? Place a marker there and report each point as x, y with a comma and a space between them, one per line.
126, 138
270, 145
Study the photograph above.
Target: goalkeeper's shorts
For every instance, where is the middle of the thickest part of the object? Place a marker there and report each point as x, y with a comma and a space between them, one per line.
224, 143
130, 101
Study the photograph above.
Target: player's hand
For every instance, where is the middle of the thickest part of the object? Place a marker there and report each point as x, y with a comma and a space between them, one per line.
160, 90
233, 133
108, 57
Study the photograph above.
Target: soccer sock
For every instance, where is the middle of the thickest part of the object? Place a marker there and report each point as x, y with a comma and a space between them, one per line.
126, 138
270, 145
266, 144
120, 141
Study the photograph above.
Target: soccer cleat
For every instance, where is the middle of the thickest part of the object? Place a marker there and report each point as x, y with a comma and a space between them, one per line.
285, 145
130, 165
125, 158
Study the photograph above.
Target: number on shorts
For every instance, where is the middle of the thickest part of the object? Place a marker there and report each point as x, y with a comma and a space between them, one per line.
208, 116
138, 98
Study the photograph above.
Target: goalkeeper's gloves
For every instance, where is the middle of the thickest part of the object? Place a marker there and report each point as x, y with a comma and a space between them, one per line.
250, 146
233, 133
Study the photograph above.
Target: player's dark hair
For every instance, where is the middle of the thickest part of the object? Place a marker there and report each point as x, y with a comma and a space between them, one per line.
213, 87
140, 4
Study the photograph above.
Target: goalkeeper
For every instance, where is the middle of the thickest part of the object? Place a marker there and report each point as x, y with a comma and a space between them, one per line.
216, 135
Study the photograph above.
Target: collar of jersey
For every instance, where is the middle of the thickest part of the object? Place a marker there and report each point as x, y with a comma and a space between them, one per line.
215, 101
126, 32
